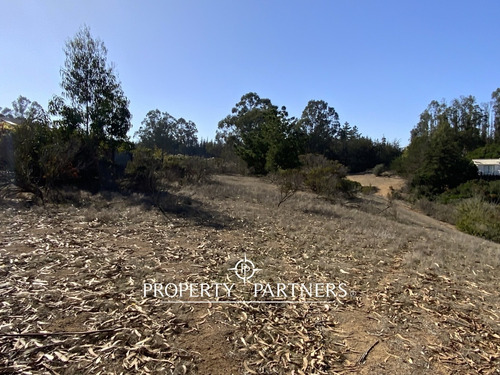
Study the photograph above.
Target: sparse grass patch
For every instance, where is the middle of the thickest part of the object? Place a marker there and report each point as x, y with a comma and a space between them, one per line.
439, 211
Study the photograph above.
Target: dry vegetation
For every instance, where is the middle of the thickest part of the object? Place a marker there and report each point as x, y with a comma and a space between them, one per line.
426, 296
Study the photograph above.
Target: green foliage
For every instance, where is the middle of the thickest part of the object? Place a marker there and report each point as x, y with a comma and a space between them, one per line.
361, 153
320, 124
171, 135
439, 162
479, 218
490, 151
318, 174
6, 152
268, 140
150, 172
29, 140
263, 136
327, 177
434, 161
46, 158
143, 172
98, 105
489, 191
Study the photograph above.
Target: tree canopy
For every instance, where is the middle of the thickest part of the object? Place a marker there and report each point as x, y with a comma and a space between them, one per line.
97, 104
163, 131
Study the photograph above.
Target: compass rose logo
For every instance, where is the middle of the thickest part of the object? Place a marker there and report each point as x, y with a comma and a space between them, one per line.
244, 269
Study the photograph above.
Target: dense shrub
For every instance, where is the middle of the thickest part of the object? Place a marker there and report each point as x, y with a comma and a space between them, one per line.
322, 176
188, 169
327, 177
6, 152
150, 171
487, 190
479, 218
490, 151
143, 172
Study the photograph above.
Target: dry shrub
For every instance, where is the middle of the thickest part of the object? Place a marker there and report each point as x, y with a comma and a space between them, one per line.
289, 182
188, 169
439, 211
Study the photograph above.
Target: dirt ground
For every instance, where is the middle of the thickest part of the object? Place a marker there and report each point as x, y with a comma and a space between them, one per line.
382, 183
422, 297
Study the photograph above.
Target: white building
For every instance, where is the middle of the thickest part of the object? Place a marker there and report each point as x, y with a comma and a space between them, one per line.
488, 167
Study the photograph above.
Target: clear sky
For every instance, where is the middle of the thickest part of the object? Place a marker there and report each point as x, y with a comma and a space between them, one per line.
378, 63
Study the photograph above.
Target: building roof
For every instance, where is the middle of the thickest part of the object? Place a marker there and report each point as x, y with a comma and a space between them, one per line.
486, 161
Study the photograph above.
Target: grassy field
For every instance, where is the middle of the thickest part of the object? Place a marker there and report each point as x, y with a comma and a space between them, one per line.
423, 297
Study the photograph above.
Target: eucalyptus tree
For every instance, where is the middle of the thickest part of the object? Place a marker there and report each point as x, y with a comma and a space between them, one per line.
163, 131
96, 102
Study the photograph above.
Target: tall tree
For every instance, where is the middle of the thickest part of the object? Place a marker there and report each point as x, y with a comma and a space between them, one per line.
186, 135
321, 124
444, 165
97, 102
466, 117
495, 96
6, 111
163, 131
20, 105
245, 127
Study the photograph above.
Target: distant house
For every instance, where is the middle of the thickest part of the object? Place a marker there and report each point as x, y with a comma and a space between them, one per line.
8, 124
488, 167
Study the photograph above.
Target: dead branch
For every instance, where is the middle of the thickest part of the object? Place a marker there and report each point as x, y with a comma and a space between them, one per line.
38, 334
365, 354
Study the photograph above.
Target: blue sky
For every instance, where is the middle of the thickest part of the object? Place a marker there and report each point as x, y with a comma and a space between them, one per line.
378, 63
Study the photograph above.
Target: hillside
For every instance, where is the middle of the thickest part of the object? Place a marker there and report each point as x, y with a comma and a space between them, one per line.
422, 297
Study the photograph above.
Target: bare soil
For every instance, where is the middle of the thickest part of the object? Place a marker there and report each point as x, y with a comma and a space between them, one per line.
382, 183
423, 298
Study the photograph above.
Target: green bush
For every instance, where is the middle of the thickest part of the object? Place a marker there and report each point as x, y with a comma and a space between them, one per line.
479, 218
143, 172
379, 169
488, 190
327, 177
150, 171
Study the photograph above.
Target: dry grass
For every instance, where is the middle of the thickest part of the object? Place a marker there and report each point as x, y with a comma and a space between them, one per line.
426, 292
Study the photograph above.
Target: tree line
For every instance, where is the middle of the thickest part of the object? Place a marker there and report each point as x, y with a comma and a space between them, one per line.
268, 139
445, 140
76, 139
